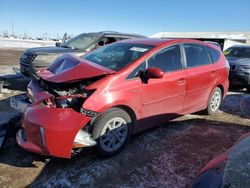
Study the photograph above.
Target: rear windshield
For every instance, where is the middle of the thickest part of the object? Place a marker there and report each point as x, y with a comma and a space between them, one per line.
238, 52
117, 55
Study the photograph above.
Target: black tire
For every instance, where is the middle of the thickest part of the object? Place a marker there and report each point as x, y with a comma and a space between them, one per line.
100, 126
211, 107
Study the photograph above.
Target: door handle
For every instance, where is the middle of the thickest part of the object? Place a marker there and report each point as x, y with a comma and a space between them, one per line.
181, 81
212, 74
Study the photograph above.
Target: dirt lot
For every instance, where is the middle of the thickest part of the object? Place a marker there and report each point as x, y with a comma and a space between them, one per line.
167, 156
10, 56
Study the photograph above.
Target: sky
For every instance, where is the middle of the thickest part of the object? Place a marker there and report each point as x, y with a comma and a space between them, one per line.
147, 17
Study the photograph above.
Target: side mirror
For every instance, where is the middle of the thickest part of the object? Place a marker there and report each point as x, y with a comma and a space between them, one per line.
153, 72
58, 44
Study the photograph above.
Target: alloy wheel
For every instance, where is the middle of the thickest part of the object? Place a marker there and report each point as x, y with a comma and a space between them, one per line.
114, 134
215, 101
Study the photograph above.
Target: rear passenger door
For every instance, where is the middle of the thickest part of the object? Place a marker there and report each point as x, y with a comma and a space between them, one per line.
200, 76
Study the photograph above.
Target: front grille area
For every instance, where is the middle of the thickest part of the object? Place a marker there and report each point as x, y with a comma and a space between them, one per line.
88, 113
27, 58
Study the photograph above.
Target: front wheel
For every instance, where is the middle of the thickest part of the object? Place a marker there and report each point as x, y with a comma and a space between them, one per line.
214, 101
111, 130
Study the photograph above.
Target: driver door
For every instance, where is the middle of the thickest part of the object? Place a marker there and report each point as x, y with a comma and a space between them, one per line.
164, 97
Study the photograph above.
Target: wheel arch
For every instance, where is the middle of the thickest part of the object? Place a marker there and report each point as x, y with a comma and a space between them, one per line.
222, 89
131, 113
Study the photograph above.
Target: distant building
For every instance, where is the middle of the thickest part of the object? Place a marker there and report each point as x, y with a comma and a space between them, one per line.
225, 39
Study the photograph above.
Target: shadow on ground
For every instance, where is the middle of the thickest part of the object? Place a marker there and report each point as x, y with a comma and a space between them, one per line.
15, 81
170, 155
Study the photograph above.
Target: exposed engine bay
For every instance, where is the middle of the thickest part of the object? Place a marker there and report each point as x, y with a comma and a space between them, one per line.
67, 88
68, 94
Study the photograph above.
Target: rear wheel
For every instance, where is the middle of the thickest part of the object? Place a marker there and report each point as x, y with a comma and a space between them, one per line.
214, 101
111, 130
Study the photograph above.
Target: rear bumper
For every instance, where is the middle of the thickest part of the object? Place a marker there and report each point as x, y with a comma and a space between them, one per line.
50, 131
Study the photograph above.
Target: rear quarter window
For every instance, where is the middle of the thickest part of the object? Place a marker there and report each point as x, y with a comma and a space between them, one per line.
214, 54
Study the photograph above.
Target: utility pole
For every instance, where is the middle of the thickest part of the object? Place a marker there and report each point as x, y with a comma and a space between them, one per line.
24, 35
12, 28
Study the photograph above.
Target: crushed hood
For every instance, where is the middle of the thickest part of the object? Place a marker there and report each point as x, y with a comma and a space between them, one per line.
68, 68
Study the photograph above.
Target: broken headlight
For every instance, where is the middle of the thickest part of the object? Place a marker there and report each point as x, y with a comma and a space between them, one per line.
63, 103
75, 103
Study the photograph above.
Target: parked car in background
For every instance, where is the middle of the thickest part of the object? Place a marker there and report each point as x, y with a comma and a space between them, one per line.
34, 59
239, 60
231, 168
120, 89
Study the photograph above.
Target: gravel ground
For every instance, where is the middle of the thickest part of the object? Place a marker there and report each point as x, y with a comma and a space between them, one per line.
167, 156
170, 155
10, 57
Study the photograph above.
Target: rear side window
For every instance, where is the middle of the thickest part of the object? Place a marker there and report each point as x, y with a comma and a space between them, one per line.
196, 55
214, 54
168, 59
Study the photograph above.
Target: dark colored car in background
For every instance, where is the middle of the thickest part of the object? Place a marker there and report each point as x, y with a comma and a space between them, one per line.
34, 59
120, 89
239, 60
231, 168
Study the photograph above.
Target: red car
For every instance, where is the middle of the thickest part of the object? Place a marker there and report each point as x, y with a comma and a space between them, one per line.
120, 89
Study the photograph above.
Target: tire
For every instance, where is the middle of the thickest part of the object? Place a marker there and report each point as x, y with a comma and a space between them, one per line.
214, 102
112, 130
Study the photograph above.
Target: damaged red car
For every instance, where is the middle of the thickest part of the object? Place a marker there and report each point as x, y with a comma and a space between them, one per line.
117, 90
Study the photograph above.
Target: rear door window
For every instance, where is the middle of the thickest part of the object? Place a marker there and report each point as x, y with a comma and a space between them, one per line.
196, 55
168, 59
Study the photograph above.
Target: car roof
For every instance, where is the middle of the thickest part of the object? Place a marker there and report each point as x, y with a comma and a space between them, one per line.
240, 46
158, 41
116, 34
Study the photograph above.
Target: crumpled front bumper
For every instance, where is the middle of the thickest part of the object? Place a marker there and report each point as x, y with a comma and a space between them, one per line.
50, 131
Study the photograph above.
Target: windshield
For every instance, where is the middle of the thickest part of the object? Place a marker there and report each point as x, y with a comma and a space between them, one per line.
238, 52
117, 55
82, 41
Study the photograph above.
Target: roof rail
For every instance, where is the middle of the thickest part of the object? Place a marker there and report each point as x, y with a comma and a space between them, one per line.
109, 32
119, 33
